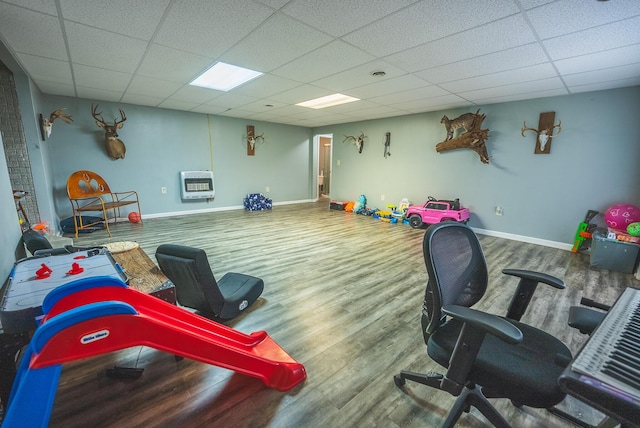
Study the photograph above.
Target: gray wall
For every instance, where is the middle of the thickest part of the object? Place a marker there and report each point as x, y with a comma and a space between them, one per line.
593, 163
160, 143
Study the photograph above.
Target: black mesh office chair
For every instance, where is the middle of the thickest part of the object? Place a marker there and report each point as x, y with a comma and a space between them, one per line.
486, 356
196, 287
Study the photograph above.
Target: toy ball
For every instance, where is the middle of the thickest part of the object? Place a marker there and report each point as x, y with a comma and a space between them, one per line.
634, 229
134, 217
620, 216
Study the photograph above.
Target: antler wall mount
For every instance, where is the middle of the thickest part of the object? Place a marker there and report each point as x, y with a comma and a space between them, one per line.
544, 132
46, 124
252, 139
358, 141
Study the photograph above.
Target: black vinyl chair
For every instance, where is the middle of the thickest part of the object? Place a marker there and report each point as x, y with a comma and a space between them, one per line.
196, 287
486, 356
35, 241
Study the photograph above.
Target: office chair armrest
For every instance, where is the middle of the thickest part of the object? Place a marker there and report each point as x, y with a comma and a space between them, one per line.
529, 280
475, 326
489, 323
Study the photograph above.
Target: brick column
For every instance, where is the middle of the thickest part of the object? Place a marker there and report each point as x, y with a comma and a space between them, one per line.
15, 144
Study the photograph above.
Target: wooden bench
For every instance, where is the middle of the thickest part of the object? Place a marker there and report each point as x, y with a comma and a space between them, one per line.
88, 192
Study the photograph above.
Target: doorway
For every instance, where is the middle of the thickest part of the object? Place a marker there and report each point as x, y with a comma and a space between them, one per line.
324, 165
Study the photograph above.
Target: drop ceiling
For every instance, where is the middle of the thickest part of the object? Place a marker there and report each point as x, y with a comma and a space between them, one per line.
435, 54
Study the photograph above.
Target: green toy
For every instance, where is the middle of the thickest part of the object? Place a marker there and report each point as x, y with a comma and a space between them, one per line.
634, 229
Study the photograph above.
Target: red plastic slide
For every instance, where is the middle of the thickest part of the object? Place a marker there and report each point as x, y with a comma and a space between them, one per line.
166, 327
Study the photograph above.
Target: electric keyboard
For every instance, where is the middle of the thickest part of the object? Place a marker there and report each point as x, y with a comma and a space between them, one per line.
606, 372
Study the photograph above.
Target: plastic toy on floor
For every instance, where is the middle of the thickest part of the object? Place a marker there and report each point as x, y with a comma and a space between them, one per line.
360, 206
257, 202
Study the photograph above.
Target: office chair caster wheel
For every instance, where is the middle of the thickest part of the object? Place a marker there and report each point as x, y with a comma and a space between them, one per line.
399, 381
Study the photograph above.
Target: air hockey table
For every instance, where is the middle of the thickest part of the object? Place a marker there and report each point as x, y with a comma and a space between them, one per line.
31, 279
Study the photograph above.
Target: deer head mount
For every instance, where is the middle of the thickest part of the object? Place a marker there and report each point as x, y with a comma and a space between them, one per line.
115, 147
545, 131
358, 141
253, 139
46, 124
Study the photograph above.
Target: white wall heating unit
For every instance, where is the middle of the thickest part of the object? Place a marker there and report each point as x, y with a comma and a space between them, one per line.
196, 185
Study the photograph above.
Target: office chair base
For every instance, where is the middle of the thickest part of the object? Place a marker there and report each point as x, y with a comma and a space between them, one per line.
470, 396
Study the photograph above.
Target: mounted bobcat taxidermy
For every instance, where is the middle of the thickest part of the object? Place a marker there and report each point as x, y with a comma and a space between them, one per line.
473, 138
464, 121
115, 147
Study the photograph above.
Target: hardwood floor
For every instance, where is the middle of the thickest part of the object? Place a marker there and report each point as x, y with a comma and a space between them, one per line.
342, 296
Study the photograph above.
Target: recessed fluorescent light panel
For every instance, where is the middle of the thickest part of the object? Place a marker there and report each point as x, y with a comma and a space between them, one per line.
224, 77
328, 101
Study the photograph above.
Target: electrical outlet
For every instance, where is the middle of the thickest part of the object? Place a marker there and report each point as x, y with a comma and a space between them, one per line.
382, 197
498, 210
268, 189
163, 189
338, 162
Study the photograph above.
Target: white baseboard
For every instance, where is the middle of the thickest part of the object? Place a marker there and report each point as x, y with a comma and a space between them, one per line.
522, 238
210, 210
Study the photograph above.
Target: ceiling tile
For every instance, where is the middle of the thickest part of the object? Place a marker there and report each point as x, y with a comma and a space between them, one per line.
177, 105
610, 36
143, 100
427, 21
507, 59
48, 69
230, 100
261, 106
262, 50
515, 89
359, 76
550, 20
435, 54
101, 79
195, 94
45, 6
43, 38
98, 94
99, 48
138, 18
388, 86
265, 86
601, 86
496, 36
55, 88
600, 60
444, 102
172, 65
411, 95
300, 94
522, 96
324, 61
608, 74
209, 27
525, 74
142, 85
339, 17
208, 109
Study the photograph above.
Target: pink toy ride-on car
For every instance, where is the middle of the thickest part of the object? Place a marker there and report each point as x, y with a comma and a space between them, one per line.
436, 211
